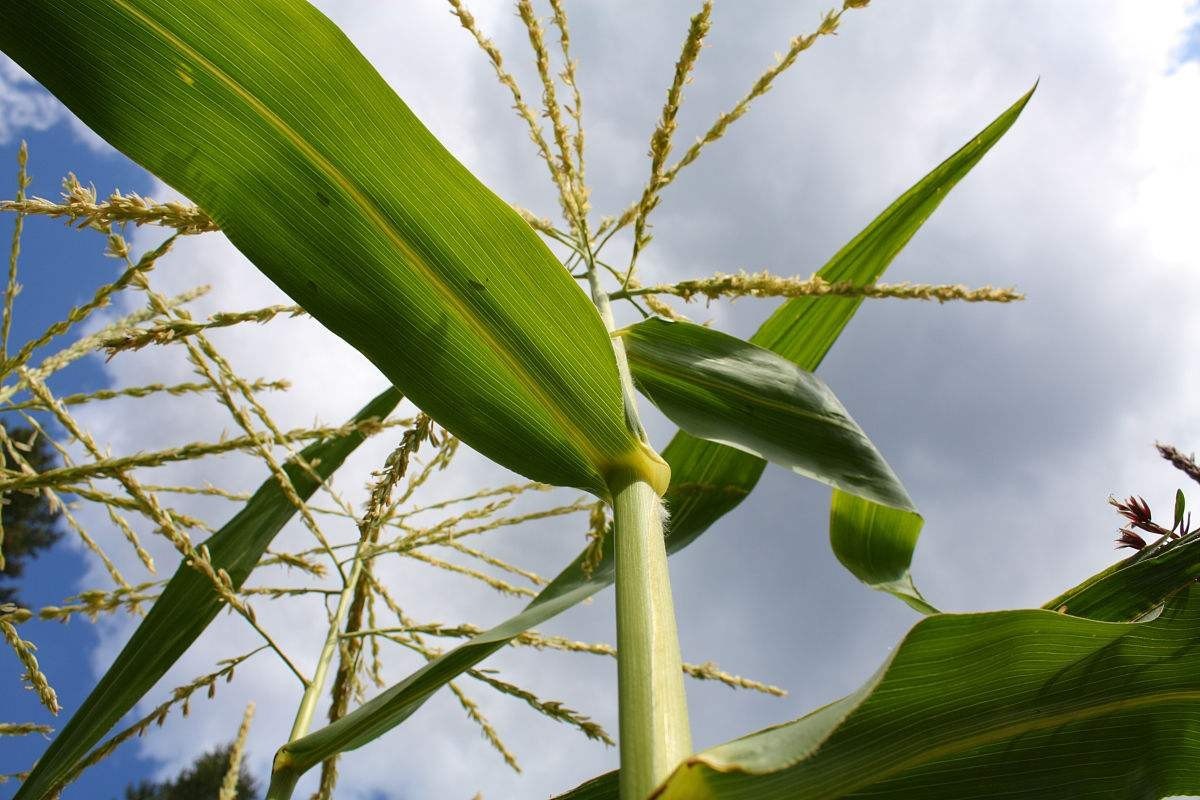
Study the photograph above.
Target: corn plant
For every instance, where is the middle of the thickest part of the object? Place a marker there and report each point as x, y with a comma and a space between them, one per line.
499, 325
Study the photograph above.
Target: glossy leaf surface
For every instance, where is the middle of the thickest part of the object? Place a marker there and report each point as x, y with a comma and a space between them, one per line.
1133, 588
876, 542
723, 389
708, 479
268, 117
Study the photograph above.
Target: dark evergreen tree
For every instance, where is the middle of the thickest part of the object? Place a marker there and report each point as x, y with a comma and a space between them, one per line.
30, 525
201, 781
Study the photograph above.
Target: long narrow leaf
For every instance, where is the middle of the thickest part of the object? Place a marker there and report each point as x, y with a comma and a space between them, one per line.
1028, 704
720, 388
189, 603
707, 480
266, 115
1128, 591
710, 479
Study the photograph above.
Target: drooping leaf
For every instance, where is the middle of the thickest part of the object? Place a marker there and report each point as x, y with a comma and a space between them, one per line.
268, 117
1028, 704
707, 480
189, 602
876, 542
720, 388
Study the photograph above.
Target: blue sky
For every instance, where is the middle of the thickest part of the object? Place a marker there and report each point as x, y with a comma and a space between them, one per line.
1010, 426
1189, 50
60, 269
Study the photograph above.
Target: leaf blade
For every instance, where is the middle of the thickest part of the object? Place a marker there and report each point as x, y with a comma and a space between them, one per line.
189, 603
1002, 704
876, 543
1133, 588
725, 390
324, 178
804, 329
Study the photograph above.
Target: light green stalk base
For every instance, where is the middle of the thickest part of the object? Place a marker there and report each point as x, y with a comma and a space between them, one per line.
655, 735
283, 779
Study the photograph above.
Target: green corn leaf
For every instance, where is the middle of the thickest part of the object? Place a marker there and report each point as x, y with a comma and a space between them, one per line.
1134, 588
720, 388
876, 542
327, 182
1180, 508
709, 479
189, 603
1028, 704
1129, 591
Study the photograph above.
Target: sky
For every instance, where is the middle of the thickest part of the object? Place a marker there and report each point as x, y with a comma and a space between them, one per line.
1009, 425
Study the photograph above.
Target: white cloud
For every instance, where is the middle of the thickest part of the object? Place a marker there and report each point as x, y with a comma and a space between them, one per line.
1167, 131
1011, 425
26, 108
23, 104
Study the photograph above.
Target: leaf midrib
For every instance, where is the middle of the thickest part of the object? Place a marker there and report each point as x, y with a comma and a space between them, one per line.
465, 311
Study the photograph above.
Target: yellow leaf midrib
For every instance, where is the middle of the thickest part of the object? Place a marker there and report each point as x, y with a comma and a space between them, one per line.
464, 311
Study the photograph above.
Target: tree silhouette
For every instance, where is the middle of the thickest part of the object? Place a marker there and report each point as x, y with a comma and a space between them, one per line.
201, 781
30, 524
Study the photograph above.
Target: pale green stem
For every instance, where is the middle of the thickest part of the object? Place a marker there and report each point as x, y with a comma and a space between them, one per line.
655, 735
312, 694
283, 775
653, 718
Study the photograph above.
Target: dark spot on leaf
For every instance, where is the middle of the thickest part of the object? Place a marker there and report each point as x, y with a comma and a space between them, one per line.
477, 285
323, 198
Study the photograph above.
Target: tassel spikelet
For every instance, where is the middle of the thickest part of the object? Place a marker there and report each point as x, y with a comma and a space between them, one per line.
765, 284
236, 752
